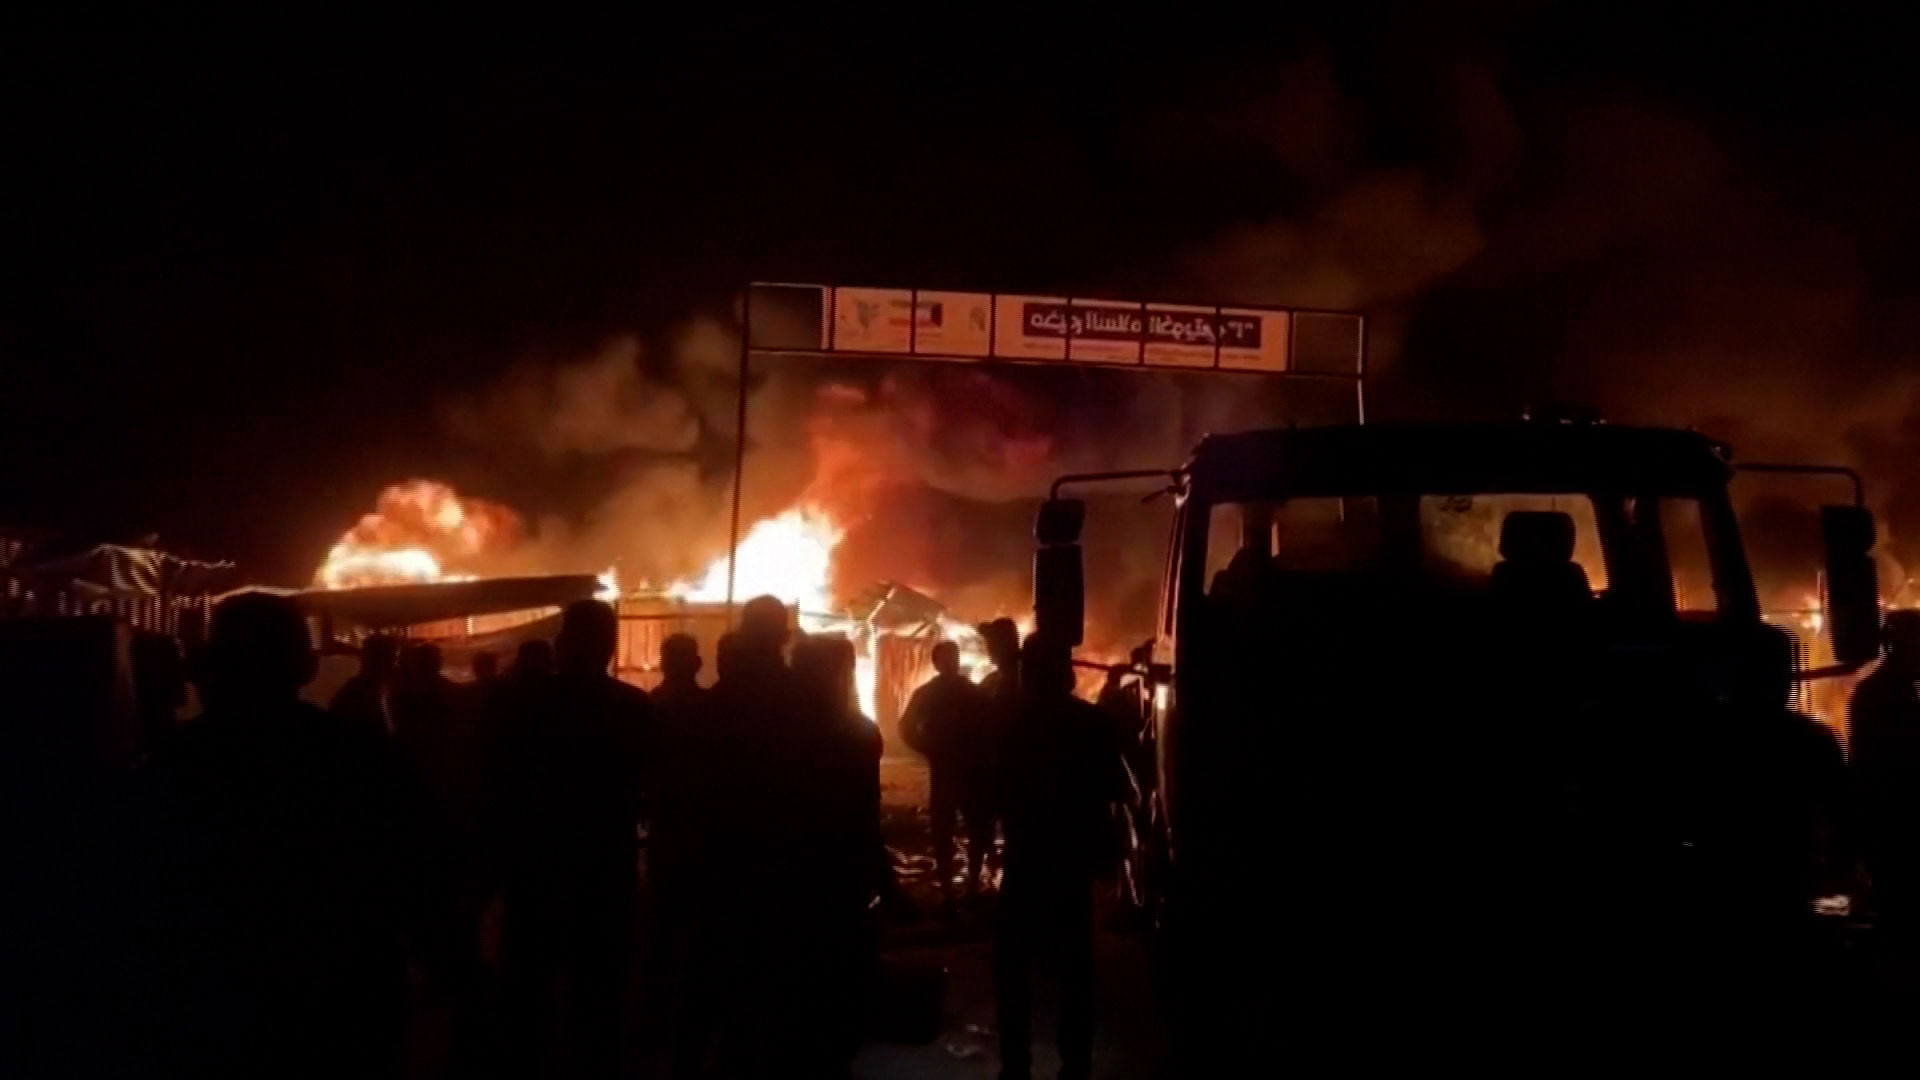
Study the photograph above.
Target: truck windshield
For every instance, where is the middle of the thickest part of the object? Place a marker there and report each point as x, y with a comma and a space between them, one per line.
1570, 544
1451, 538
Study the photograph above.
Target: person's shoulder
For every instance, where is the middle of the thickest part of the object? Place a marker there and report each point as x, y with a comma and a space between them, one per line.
626, 696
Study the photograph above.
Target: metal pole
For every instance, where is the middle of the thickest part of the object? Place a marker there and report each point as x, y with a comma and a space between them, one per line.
739, 442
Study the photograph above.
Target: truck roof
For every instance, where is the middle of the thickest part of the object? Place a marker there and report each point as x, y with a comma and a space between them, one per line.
1456, 458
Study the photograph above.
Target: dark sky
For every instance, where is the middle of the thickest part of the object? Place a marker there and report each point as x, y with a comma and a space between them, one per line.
239, 288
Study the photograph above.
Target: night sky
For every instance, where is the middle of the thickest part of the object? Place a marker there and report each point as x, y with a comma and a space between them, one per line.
241, 284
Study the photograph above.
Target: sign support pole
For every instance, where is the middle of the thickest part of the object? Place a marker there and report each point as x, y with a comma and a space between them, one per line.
739, 444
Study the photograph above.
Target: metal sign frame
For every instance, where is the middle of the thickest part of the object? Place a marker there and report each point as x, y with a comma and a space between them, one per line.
1137, 320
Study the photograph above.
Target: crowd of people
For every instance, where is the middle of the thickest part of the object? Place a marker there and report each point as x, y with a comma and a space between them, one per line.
295, 888
282, 889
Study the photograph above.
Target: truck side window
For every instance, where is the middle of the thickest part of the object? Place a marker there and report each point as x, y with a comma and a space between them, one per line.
1683, 533
1304, 535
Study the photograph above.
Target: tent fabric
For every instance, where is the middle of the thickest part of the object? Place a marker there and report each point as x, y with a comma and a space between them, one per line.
112, 571
381, 606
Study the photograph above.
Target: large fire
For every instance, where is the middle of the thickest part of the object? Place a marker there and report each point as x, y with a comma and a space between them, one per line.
789, 556
422, 531
419, 531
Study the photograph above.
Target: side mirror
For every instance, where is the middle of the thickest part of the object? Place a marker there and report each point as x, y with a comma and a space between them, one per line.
1059, 576
1853, 584
1060, 522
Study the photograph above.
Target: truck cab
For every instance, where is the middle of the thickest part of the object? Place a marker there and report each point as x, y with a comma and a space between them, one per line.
1416, 693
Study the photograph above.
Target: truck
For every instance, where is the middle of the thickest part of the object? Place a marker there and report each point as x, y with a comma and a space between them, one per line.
1437, 712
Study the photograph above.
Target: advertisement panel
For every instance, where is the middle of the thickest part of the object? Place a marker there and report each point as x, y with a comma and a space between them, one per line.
1253, 340
953, 324
1180, 335
967, 325
872, 320
1030, 327
1104, 331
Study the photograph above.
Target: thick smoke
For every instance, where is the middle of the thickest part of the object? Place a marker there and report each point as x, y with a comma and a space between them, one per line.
1616, 254
1584, 249
935, 471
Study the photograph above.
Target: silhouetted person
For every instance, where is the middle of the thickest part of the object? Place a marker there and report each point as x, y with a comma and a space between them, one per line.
291, 871
1060, 774
159, 688
1884, 740
680, 852
534, 658
1001, 686
947, 722
755, 718
572, 782
1770, 786
420, 700
680, 665
362, 699
486, 668
836, 864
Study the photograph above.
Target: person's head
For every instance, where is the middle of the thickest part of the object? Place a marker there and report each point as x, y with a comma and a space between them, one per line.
680, 657
1117, 673
1003, 642
420, 662
486, 666
1763, 667
1046, 666
765, 624
726, 656
534, 657
378, 654
946, 658
589, 633
824, 664
1900, 634
258, 652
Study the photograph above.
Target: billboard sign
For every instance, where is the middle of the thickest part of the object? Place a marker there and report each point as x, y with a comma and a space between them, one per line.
946, 325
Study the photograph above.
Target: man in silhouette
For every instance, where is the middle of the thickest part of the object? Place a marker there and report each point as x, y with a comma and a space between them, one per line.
533, 659
1060, 774
1769, 786
1001, 688
292, 871
1883, 722
160, 688
946, 721
680, 856
573, 771
421, 700
680, 665
755, 738
486, 668
362, 699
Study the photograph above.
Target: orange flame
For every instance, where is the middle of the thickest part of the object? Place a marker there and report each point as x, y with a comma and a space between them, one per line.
420, 531
789, 556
